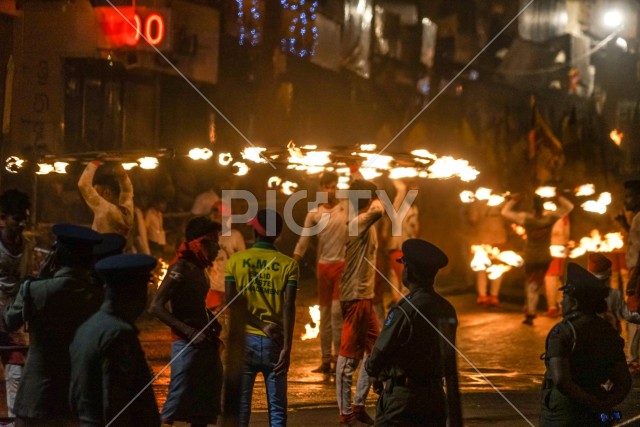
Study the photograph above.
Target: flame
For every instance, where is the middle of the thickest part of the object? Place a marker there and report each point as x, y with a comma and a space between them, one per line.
368, 147
546, 192
586, 190
519, 230
598, 206
148, 162
242, 168
310, 147
595, 243
549, 206
369, 173
398, 173
377, 161
129, 165
60, 167
312, 329
467, 196
225, 159
483, 193
13, 164
447, 167
495, 200
274, 182
425, 154
160, 271
485, 256
289, 187
44, 168
616, 137
252, 154
200, 153
497, 270
558, 251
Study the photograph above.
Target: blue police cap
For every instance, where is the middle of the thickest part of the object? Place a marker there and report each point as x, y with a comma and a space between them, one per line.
581, 283
76, 238
423, 255
125, 268
112, 244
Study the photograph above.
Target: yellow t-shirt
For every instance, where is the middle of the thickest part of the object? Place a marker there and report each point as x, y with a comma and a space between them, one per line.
265, 273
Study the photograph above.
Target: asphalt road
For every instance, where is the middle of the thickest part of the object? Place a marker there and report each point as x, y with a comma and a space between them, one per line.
499, 364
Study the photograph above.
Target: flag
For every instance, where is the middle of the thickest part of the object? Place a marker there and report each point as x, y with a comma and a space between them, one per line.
545, 149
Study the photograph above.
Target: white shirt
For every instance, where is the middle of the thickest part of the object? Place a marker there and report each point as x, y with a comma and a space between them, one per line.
331, 240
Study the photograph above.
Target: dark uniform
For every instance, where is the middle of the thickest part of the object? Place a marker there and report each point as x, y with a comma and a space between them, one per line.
53, 308
407, 355
592, 348
109, 367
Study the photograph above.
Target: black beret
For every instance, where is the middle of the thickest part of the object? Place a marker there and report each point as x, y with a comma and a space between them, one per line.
582, 284
423, 255
112, 244
76, 238
125, 268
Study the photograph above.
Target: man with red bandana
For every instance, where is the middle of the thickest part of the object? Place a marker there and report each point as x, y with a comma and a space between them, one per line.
196, 371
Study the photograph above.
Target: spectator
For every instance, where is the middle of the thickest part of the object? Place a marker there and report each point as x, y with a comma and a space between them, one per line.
196, 370
155, 226
269, 281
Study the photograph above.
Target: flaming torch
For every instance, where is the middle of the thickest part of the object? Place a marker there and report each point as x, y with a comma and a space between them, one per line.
312, 329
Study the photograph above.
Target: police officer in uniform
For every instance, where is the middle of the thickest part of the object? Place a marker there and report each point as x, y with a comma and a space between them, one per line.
53, 308
586, 370
108, 366
411, 356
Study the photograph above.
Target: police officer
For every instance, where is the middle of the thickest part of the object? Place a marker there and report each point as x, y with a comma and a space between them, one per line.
411, 356
586, 370
54, 308
108, 366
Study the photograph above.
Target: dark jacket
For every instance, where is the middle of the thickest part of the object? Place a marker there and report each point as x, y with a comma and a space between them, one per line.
108, 370
56, 307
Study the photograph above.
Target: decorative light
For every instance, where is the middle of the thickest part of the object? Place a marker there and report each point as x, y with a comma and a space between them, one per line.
301, 34
612, 19
129, 165
44, 168
242, 168
200, 153
249, 25
148, 162
60, 167
225, 159
13, 164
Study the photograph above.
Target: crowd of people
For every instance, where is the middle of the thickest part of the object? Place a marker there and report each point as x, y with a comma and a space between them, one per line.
87, 367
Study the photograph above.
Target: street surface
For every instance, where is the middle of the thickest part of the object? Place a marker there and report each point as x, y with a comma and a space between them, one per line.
506, 352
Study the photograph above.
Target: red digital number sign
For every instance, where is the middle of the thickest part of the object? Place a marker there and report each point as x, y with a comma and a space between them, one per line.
134, 27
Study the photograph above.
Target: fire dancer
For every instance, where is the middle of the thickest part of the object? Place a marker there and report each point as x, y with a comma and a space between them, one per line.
331, 241
586, 373
553, 277
360, 325
111, 202
196, 371
409, 358
490, 230
269, 281
537, 256
108, 366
